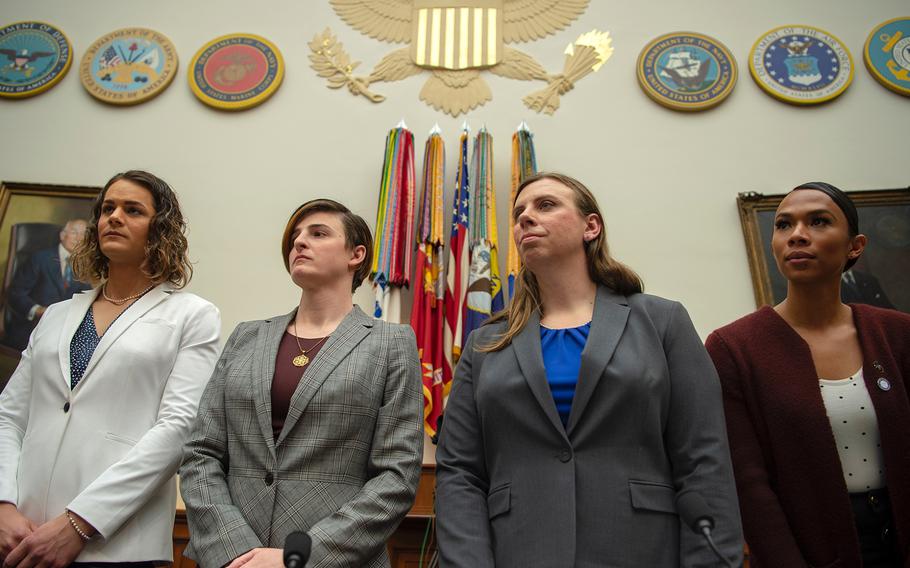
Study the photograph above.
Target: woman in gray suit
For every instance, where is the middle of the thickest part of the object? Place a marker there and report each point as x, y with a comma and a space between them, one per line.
311, 420
585, 425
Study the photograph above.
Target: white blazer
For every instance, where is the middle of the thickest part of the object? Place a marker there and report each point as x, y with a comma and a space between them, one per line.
108, 449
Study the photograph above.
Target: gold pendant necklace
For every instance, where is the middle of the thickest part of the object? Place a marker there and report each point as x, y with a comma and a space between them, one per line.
302, 360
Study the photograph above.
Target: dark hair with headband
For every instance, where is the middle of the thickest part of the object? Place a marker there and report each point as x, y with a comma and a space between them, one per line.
843, 201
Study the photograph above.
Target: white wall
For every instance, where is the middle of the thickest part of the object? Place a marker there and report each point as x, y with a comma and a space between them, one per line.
667, 181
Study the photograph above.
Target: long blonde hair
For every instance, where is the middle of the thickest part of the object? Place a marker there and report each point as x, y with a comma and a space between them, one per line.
602, 268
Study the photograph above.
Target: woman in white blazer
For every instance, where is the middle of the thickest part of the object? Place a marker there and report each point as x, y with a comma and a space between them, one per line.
93, 421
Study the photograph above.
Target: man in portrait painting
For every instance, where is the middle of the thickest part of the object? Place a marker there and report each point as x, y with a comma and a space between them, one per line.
46, 277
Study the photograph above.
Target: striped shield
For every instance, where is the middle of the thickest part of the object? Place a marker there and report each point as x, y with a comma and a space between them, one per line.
456, 35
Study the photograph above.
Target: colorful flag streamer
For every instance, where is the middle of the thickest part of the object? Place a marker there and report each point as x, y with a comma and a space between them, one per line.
524, 164
427, 315
484, 295
457, 270
393, 244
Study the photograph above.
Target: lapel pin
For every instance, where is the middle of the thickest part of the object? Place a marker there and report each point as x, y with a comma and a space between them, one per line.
883, 384
878, 366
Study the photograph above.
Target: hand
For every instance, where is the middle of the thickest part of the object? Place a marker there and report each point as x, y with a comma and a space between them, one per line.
40, 312
14, 526
260, 558
54, 544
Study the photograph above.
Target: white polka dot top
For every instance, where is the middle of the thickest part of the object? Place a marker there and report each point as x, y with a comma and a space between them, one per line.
855, 426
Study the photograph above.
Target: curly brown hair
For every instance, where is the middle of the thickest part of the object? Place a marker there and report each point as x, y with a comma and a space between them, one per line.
166, 248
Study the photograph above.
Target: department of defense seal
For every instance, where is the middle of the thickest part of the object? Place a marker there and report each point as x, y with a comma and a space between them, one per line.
236, 71
801, 65
34, 56
686, 71
887, 54
128, 66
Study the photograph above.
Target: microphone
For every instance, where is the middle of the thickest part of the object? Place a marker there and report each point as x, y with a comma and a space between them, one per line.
297, 549
696, 514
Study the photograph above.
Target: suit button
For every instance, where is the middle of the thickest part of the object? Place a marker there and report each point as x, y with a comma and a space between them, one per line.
269, 478
66, 407
565, 456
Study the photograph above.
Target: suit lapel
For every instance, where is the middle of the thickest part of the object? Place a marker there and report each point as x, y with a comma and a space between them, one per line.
530, 359
611, 312
267, 343
123, 322
75, 314
353, 329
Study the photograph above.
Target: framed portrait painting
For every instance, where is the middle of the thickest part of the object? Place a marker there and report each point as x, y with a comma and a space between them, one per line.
880, 277
39, 226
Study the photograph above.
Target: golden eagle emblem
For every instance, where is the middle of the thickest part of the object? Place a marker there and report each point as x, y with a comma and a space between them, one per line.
455, 41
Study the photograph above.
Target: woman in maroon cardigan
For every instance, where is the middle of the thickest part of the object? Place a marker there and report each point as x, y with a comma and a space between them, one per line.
816, 401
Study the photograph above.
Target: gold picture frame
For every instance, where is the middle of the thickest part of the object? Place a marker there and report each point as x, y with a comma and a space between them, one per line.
884, 217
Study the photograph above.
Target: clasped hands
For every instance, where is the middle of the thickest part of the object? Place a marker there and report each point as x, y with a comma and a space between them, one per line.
23, 544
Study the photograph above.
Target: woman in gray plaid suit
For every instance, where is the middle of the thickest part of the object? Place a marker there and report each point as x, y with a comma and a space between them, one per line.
312, 420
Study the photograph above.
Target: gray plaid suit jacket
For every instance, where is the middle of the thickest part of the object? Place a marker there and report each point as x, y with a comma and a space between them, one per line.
344, 468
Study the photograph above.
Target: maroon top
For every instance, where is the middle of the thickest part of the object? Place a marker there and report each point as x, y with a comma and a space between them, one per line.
287, 376
794, 501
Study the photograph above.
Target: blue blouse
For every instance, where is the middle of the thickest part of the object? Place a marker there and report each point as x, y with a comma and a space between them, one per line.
562, 360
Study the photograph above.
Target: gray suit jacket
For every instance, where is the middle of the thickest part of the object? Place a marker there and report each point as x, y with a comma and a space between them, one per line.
344, 468
515, 488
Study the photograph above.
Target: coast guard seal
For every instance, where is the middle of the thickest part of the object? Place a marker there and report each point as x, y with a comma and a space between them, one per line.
237, 71
686, 71
887, 54
801, 65
34, 56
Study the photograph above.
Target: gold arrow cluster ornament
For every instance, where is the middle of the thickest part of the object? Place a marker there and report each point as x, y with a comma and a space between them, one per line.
456, 41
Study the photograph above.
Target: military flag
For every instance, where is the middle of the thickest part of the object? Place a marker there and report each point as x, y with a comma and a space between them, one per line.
427, 316
393, 244
524, 164
484, 294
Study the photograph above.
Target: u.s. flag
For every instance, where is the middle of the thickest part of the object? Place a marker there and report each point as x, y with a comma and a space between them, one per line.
457, 271
456, 35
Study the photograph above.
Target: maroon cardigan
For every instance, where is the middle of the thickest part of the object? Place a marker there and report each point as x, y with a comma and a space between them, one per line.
795, 507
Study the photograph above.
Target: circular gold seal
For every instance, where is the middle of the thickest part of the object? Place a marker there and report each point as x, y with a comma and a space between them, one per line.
686, 71
887, 54
236, 72
34, 56
128, 66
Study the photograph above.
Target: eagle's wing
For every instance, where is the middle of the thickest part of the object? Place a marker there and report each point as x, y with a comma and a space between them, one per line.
385, 20
395, 66
9, 53
526, 20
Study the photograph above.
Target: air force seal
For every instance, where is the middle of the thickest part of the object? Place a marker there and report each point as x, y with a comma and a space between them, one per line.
236, 72
801, 65
128, 66
686, 71
34, 57
887, 54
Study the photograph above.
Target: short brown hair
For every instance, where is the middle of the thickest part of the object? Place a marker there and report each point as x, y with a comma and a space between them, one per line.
166, 248
356, 233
